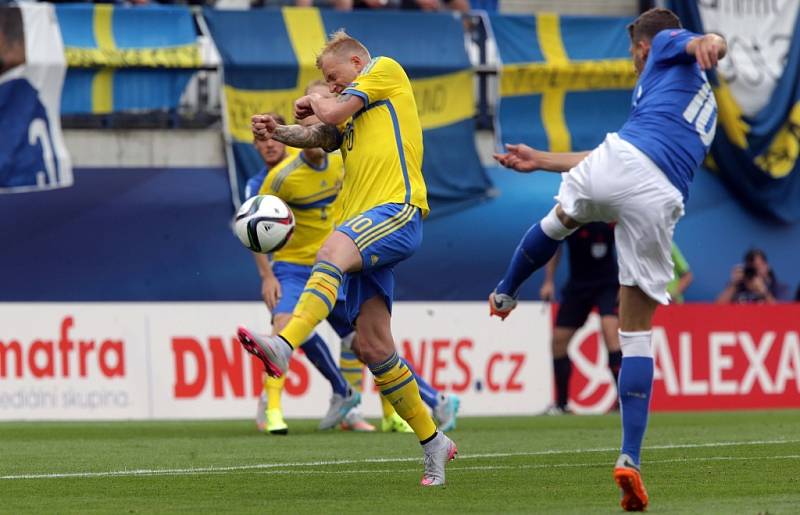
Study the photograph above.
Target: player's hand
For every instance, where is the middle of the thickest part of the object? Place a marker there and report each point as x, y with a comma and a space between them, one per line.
708, 50
547, 291
263, 126
271, 291
521, 158
302, 107
737, 274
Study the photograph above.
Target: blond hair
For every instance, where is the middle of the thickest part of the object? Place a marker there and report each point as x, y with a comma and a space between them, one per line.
341, 43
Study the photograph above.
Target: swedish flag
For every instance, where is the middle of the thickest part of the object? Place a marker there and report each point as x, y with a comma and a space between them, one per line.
126, 58
565, 80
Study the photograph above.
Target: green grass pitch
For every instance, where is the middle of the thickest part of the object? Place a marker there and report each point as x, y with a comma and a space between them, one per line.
743, 462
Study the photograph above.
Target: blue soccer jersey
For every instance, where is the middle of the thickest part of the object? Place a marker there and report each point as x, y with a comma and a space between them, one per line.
674, 113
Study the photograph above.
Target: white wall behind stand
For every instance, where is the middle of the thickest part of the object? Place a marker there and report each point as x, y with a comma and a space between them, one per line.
162, 148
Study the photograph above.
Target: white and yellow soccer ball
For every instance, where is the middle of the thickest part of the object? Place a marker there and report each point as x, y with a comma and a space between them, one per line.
264, 223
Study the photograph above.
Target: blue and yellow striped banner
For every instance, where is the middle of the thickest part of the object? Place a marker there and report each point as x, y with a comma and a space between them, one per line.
126, 58
564, 82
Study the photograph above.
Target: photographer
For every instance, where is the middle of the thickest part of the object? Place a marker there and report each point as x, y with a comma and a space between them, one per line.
753, 282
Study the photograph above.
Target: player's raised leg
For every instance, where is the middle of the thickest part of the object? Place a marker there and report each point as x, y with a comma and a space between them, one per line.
337, 256
533, 252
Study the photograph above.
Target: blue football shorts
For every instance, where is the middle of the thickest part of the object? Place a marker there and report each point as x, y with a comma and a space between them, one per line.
384, 235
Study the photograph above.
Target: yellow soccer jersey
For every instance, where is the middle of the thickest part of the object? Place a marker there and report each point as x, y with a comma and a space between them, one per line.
382, 143
312, 195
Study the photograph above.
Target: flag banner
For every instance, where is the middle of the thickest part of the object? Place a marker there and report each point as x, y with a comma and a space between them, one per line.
269, 58
757, 87
127, 58
32, 152
565, 81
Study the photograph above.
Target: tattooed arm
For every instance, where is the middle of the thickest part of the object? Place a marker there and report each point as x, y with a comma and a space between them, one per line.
319, 135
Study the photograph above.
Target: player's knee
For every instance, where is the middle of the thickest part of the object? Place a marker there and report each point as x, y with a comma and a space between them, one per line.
326, 253
560, 344
557, 224
340, 250
564, 218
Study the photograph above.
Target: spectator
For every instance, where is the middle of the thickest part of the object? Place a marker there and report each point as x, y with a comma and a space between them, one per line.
753, 282
12, 39
339, 5
461, 6
681, 276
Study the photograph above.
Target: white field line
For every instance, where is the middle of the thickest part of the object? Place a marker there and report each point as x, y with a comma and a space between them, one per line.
268, 468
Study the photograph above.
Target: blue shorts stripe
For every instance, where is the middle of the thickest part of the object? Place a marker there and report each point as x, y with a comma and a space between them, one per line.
368, 233
398, 224
321, 296
397, 387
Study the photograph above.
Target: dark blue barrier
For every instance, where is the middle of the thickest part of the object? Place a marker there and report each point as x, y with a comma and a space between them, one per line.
163, 234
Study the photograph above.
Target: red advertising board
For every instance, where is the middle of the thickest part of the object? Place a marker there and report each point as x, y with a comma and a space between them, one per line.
707, 357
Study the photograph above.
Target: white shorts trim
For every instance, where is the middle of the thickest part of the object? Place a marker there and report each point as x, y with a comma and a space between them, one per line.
618, 183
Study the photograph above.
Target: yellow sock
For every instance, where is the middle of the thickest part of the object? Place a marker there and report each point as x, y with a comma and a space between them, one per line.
274, 388
397, 384
352, 370
388, 410
315, 304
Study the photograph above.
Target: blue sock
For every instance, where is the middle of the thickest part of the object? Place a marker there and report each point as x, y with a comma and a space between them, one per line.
533, 252
318, 353
428, 393
635, 387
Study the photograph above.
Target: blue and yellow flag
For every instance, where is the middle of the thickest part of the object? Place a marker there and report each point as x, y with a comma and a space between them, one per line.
126, 58
565, 81
269, 57
757, 156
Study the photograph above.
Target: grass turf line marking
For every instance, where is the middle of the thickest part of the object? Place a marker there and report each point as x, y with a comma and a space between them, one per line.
478, 468
265, 466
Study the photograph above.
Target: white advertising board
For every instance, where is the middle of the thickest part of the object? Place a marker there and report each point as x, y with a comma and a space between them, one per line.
72, 361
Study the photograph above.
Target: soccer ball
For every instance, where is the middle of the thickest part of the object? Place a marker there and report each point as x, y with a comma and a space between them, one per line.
264, 223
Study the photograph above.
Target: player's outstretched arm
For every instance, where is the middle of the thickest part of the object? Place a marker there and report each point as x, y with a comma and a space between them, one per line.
523, 158
319, 135
708, 50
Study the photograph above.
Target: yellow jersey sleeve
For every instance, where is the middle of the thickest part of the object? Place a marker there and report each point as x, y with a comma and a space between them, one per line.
377, 81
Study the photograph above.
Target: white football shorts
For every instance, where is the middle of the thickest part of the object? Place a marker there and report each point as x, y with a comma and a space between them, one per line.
619, 183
